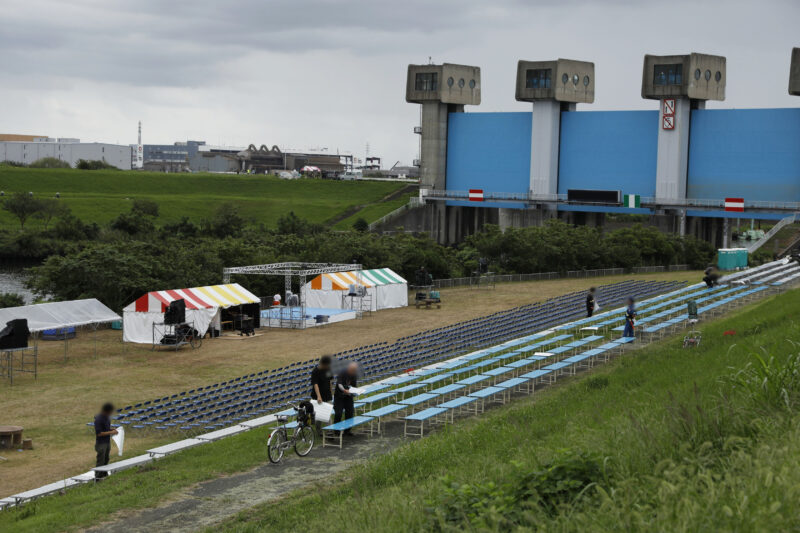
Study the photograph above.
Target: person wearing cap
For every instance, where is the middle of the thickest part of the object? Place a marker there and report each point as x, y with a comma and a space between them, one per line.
630, 318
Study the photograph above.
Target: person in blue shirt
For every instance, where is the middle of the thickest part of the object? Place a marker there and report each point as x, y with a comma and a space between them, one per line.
630, 318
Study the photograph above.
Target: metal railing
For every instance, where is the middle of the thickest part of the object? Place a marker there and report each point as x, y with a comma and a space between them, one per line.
771, 233
413, 202
491, 279
705, 203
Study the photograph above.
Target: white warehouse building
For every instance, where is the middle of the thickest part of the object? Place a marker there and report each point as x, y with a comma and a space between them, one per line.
69, 150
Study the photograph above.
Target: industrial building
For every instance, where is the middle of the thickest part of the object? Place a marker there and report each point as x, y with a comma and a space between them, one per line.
64, 149
692, 170
170, 157
197, 156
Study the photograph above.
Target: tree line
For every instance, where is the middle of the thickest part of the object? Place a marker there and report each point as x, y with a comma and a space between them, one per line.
136, 253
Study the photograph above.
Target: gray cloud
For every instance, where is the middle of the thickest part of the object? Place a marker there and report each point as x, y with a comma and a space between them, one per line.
331, 73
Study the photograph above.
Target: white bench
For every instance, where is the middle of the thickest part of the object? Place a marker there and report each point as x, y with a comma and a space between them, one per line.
119, 466
168, 449
224, 432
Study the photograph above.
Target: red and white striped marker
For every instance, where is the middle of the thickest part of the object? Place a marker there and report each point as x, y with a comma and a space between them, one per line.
476, 195
734, 204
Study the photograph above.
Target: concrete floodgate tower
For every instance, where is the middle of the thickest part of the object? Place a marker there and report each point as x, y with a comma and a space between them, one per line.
441, 90
794, 73
552, 87
681, 83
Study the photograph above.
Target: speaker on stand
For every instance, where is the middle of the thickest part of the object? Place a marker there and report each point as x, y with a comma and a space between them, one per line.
14, 335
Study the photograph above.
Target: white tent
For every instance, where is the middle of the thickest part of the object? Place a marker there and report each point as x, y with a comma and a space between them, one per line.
53, 315
384, 289
203, 306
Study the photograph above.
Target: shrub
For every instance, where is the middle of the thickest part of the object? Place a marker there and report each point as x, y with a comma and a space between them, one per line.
11, 299
361, 225
49, 162
94, 164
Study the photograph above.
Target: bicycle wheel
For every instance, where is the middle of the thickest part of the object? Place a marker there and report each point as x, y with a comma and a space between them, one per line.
196, 342
276, 444
303, 440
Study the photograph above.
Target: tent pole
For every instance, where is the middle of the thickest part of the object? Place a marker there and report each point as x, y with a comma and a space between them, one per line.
95, 340
65, 345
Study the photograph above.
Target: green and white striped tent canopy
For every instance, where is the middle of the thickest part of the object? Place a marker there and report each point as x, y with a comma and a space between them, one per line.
368, 278
385, 289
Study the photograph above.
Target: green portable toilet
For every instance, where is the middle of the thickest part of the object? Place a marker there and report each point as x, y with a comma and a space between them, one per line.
731, 258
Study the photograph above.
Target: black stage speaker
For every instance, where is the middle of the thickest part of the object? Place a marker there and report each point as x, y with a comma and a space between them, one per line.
175, 313
15, 334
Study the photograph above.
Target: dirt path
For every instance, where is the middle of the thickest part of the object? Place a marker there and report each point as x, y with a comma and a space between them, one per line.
205, 504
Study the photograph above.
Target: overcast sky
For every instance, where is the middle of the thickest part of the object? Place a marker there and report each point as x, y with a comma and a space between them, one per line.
325, 73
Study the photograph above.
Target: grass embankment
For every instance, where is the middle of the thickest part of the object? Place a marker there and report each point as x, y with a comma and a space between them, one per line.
374, 211
101, 195
664, 439
627, 427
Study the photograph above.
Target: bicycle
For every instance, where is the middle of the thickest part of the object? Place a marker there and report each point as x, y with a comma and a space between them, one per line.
302, 439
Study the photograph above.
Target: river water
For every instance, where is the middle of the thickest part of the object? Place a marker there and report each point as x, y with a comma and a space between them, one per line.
14, 281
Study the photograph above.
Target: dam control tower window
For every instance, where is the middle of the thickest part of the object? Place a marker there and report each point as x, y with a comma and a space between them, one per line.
426, 81
538, 78
668, 74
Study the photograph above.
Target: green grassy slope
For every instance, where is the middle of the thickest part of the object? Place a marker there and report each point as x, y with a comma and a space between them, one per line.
99, 196
644, 430
648, 442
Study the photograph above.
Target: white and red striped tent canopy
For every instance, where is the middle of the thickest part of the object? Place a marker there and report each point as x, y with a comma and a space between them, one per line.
211, 296
203, 306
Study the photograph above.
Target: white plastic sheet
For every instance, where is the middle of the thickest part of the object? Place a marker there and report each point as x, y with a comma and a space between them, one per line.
119, 439
322, 411
54, 315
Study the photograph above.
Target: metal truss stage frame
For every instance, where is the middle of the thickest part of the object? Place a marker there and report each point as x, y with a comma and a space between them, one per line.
290, 270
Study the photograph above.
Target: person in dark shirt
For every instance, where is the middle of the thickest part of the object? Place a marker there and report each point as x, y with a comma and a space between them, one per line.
103, 432
630, 319
711, 277
342, 397
590, 302
321, 378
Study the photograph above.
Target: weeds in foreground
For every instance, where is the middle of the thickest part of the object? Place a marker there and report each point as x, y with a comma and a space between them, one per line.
691, 450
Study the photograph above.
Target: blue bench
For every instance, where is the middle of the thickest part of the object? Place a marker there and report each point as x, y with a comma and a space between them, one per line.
422, 416
556, 369
486, 393
419, 399
379, 414
409, 388
436, 379
375, 398
512, 384
498, 372
447, 389
472, 380
332, 434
